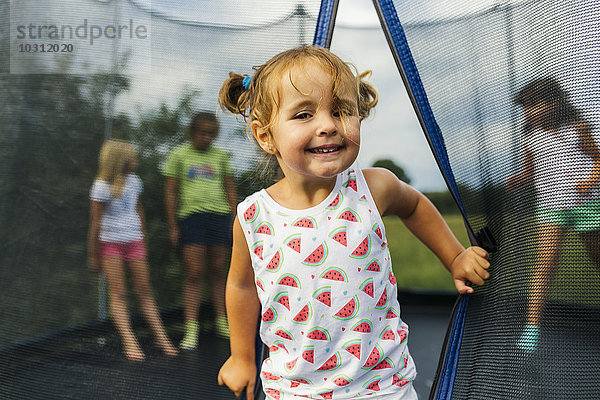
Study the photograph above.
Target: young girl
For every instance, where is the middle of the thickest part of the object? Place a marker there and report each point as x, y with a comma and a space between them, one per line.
310, 254
116, 239
563, 161
200, 198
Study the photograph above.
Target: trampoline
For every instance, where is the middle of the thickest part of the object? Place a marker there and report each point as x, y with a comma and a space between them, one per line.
86, 362
462, 66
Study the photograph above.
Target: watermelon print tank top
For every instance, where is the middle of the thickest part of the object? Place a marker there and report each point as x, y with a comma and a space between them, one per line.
330, 314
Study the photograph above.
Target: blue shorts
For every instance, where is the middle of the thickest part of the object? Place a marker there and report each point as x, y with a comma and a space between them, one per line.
206, 229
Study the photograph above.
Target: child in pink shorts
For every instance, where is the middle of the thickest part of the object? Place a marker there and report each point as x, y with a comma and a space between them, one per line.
116, 244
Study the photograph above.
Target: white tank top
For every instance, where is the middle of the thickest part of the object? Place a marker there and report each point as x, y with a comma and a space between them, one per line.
559, 164
330, 314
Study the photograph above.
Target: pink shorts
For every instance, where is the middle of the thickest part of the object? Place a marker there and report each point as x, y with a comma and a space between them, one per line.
127, 251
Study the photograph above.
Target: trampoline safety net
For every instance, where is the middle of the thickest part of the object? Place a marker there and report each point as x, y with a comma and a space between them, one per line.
509, 97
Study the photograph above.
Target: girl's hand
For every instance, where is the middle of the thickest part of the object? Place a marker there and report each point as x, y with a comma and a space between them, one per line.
470, 266
238, 375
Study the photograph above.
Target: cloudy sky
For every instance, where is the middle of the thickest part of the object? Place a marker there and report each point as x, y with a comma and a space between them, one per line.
182, 54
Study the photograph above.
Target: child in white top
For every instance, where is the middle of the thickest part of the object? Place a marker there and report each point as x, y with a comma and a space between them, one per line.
116, 240
562, 159
310, 254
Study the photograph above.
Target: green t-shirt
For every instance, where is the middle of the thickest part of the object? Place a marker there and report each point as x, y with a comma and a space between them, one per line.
201, 177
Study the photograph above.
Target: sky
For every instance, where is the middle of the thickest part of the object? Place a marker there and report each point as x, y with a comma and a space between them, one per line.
392, 131
175, 59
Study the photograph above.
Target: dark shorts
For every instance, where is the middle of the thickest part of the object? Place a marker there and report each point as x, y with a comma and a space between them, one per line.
206, 229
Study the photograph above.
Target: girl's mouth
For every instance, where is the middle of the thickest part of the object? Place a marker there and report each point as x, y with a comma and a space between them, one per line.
325, 149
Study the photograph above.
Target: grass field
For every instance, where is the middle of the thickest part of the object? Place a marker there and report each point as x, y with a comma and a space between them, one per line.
415, 266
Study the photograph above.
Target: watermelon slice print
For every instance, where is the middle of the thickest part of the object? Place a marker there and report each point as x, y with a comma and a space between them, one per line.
273, 393
325, 395
373, 266
353, 347
308, 354
331, 364
334, 274
363, 326
270, 377
351, 183
302, 381
387, 333
377, 229
260, 284
257, 249
318, 333
385, 364
367, 287
374, 357
391, 277
275, 262
348, 311
251, 213
293, 242
323, 295
382, 300
289, 280
303, 315
291, 365
373, 383
336, 202
349, 214
399, 380
363, 198
281, 345
363, 249
403, 334
317, 257
264, 229
305, 222
341, 380
391, 314
283, 299
340, 235
270, 315
283, 333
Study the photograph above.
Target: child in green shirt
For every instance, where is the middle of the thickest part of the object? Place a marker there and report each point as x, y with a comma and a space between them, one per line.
200, 197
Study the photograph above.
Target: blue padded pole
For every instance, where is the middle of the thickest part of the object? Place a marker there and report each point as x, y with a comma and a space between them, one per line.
325, 23
412, 81
406, 65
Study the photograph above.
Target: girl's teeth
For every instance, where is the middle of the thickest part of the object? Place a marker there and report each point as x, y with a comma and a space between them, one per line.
329, 150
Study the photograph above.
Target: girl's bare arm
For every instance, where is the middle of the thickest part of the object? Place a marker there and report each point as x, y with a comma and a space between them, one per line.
394, 197
243, 307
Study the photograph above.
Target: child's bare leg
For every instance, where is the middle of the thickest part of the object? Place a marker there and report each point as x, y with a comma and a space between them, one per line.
114, 271
141, 281
218, 266
193, 259
549, 241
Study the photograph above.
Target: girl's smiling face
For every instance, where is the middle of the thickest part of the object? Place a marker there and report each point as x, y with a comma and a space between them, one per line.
314, 134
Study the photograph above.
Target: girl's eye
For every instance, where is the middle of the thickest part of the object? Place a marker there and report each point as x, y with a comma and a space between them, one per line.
302, 115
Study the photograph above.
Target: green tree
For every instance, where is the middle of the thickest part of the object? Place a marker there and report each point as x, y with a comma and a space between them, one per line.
393, 167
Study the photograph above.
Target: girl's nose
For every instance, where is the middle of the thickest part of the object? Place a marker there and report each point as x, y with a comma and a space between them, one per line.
327, 125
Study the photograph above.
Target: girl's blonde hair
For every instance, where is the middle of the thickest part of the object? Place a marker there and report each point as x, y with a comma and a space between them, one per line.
261, 99
115, 155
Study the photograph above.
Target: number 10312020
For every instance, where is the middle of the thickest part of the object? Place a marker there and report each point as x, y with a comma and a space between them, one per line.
45, 48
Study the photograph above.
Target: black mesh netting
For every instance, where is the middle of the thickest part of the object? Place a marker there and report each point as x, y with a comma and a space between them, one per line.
514, 91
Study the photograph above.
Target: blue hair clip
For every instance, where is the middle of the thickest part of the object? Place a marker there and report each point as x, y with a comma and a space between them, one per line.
246, 82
